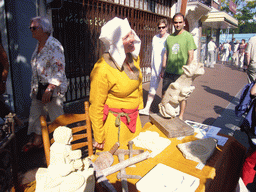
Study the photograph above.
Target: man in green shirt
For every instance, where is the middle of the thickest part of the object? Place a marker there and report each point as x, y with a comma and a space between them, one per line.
180, 48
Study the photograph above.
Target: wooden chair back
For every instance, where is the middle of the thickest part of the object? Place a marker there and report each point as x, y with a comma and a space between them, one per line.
81, 129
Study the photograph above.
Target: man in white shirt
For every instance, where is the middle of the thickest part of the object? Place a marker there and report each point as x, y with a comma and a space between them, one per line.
211, 48
235, 57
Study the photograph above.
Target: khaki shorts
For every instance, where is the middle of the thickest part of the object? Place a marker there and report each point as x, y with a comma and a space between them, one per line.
53, 109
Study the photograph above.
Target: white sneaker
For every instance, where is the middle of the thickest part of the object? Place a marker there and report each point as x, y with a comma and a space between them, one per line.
144, 112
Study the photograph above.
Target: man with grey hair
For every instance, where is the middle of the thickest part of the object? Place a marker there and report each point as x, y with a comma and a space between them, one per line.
49, 83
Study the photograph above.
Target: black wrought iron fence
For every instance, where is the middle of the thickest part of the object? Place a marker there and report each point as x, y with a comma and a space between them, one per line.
77, 26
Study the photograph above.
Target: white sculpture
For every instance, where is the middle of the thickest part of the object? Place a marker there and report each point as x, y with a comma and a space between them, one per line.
67, 172
180, 90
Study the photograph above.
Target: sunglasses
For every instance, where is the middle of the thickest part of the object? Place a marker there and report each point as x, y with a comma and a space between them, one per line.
178, 22
33, 28
161, 27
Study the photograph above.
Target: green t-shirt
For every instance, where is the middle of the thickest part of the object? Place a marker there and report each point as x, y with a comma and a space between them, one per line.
177, 47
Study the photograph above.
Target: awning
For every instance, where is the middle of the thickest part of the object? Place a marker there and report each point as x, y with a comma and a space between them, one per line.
219, 20
196, 10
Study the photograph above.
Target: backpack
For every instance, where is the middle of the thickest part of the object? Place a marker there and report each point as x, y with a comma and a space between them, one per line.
245, 101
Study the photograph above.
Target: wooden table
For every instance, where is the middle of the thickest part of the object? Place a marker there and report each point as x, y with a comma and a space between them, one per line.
221, 172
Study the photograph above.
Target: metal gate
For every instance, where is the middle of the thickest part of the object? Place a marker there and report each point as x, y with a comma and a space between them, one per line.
77, 26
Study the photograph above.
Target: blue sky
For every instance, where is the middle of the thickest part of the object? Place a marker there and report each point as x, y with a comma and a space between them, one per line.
226, 37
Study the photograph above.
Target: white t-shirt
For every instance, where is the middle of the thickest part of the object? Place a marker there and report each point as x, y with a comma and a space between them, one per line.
211, 46
226, 46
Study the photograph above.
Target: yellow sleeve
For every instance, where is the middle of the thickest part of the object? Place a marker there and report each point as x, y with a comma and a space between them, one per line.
141, 105
98, 96
137, 63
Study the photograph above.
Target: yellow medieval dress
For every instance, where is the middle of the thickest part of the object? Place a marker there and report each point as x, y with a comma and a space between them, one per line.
116, 88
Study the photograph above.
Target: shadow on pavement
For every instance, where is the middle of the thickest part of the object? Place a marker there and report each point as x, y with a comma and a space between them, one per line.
219, 93
208, 121
218, 109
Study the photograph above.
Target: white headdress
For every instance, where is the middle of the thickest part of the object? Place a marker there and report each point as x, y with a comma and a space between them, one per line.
111, 35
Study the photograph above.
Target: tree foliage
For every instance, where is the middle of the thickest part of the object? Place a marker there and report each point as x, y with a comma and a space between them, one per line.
245, 14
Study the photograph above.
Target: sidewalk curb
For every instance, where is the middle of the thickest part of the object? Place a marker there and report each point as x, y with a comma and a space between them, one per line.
230, 123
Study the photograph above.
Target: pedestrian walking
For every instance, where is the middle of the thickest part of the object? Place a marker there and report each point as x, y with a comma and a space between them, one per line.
235, 57
220, 52
226, 51
241, 50
158, 50
251, 59
245, 58
203, 47
232, 46
211, 53
179, 51
49, 83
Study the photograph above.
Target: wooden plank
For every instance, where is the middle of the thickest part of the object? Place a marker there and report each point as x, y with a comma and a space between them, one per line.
173, 127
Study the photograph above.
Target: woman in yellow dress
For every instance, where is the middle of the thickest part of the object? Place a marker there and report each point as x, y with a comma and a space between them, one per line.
116, 86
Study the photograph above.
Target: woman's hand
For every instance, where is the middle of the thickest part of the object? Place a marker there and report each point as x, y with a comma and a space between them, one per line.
46, 98
98, 145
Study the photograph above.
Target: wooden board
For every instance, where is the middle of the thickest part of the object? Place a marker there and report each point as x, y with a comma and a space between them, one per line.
173, 127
